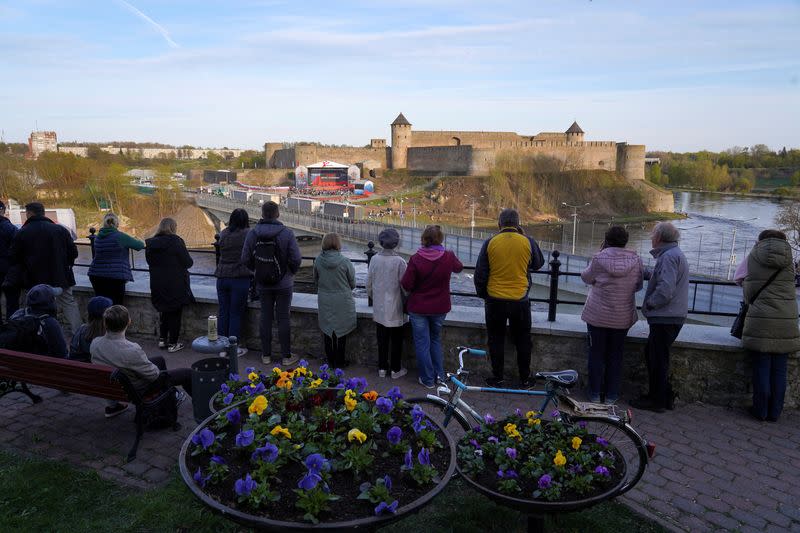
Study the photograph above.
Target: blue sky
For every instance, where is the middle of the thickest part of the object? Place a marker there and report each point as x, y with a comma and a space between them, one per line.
680, 75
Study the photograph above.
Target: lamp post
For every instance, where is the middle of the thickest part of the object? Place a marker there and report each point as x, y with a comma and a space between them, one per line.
574, 221
472, 216
733, 244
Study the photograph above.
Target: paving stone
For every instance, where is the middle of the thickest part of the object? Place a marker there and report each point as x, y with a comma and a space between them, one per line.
792, 510
774, 517
713, 504
693, 523
721, 520
688, 506
747, 517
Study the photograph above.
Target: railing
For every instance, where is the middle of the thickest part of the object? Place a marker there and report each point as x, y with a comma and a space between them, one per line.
554, 273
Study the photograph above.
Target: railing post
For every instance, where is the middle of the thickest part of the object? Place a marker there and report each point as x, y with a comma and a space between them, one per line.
552, 304
92, 237
216, 248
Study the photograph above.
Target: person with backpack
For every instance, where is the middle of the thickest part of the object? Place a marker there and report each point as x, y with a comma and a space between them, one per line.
93, 328
113, 349
271, 252
427, 280
34, 329
170, 291
233, 277
10, 291
111, 268
335, 277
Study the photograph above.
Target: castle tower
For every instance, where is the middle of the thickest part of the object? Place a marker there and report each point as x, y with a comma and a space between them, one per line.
269, 153
401, 141
574, 133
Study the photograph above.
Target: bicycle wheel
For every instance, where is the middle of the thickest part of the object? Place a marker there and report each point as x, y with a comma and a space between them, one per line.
632, 446
436, 408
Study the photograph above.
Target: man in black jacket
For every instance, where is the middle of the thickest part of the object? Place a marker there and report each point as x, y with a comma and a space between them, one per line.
45, 253
11, 292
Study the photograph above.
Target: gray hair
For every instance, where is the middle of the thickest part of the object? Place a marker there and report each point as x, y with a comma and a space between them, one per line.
110, 221
508, 218
666, 232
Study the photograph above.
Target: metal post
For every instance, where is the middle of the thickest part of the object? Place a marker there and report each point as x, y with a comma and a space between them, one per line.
552, 303
216, 248
233, 355
733, 254
574, 228
472, 222
92, 237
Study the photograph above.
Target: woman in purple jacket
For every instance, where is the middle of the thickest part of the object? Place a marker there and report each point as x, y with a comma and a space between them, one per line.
615, 275
427, 280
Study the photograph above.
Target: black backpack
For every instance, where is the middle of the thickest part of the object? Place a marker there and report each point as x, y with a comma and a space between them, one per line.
269, 268
25, 334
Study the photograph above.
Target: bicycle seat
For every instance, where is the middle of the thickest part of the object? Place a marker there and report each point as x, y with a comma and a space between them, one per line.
565, 378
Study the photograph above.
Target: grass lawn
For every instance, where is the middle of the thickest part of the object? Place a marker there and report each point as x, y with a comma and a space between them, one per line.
39, 495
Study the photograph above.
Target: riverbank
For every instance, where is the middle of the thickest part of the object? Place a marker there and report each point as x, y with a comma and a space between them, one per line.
769, 195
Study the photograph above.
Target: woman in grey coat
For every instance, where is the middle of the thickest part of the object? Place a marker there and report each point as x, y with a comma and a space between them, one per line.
383, 286
336, 279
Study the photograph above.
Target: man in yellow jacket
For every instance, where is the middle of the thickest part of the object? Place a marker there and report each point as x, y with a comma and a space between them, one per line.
503, 279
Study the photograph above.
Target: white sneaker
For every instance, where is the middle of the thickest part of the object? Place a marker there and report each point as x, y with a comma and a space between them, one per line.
266, 360
424, 385
381, 373
178, 346
399, 374
180, 396
242, 351
289, 361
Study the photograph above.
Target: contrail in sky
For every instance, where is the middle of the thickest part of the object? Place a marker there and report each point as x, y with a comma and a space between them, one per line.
164, 33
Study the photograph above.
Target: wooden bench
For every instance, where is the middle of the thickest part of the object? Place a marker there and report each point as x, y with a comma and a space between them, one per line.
18, 370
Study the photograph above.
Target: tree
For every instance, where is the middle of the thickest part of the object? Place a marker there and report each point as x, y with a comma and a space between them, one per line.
795, 179
788, 220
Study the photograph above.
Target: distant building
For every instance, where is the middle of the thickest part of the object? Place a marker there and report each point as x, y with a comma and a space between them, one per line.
219, 176
40, 142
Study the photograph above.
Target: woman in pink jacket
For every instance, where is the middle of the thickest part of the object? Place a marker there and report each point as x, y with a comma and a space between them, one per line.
615, 275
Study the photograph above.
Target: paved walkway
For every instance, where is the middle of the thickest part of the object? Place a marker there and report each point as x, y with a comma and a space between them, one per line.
715, 468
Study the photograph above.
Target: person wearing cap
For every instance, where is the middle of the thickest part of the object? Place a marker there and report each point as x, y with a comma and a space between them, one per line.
386, 269
40, 305
111, 267
7, 232
82, 340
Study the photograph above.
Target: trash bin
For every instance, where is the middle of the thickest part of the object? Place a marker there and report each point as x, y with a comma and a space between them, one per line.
207, 376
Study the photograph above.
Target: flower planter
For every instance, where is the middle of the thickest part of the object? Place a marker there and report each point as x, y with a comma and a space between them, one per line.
320, 423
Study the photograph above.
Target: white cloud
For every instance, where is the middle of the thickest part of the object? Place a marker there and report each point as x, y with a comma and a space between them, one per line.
158, 27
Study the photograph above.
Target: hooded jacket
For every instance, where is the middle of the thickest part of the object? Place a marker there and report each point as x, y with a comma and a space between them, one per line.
666, 300
615, 275
336, 278
771, 322
287, 244
169, 262
111, 258
427, 280
7, 232
45, 253
40, 303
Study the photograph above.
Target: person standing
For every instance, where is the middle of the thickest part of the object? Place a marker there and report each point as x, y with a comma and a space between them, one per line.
11, 292
427, 280
233, 277
271, 251
770, 331
170, 290
336, 279
111, 267
44, 253
665, 305
615, 275
503, 280
386, 269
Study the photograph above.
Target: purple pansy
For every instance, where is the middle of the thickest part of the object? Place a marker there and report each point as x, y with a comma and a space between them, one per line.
303, 363
384, 405
489, 419
309, 481
511, 453
259, 388
245, 486
424, 457
338, 372
387, 482
394, 435
518, 412
205, 438
228, 398
245, 438
394, 394
217, 459
507, 474
475, 444
603, 471
602, 442
224, 388
555, 414
250, 370
300, 380
268, 453
545, 481
234, 377
388, 508
357, 384
493, 439
316, 463
234, 417
408, 460
582, 424
200, 479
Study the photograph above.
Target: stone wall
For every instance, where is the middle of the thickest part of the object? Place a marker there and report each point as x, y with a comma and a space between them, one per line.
156, 153
478, 139
308, 154
707, 363
450, 159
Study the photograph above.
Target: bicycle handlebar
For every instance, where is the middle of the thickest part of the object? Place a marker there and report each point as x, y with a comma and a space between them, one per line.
471, 351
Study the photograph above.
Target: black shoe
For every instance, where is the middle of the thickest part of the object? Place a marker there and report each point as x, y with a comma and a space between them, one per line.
756, 415
495, 382
118, 409
647, 405
526, 383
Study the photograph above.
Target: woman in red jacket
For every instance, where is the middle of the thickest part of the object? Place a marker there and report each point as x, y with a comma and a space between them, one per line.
427, 280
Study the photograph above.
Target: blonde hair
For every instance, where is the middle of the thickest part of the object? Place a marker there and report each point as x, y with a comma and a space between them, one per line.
110, 221
331, 241
432, 236
167, 226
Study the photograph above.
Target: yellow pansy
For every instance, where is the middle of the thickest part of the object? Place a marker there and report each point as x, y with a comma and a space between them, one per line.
511, 431
349, 393
559, 459
258, 405
301, 370
276, 370
533, 418
350, 403
356, 434
280, 430
252, 376
314, 384
576, 443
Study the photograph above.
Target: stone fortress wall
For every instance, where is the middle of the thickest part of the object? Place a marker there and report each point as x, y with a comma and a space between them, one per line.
467, 152
156, 153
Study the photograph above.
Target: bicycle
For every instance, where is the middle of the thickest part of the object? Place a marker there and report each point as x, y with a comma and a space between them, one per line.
600, 419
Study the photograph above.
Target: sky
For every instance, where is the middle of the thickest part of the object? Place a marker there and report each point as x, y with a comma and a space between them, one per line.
681, 75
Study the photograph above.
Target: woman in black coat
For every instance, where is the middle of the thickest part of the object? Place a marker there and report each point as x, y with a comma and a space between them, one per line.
169, 262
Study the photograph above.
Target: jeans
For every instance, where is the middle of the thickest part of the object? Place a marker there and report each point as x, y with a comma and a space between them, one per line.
232, 296
110, 288
658, 344
69, 306
389, 337
605, 361
517, 313
335, 350
769, 383
427, 332
177, 376
170, 326
276, 303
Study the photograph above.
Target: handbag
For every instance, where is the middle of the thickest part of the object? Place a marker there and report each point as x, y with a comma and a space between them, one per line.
737, 329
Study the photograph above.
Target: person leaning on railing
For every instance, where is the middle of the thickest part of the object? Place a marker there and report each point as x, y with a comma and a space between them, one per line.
335, 277
111, 268
233, 277
770, 331
9, 287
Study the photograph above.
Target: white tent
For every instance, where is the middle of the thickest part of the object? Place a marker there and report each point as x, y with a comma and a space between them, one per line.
328, 164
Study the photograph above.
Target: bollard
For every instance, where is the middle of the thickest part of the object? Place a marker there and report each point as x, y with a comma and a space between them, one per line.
552, 304
233, 354
216, 248
92, 237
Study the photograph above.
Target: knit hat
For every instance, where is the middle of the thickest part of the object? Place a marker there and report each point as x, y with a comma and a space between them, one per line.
42, 299
97, 305
389, 238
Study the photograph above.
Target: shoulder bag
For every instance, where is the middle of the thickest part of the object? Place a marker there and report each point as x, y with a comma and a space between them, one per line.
738, 323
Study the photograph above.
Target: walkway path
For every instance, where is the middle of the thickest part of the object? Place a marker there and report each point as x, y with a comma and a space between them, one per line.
715, 469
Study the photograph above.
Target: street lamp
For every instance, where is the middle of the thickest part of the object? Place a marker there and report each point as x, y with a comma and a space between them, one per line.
574, 220
472, 218
733, 243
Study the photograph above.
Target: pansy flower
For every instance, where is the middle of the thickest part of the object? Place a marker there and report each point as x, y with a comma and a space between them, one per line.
424, 457
245, 438
394, 394
383, 507
559, 459
408, 462
280, 430
228, 398
268, 453
511, 453
245, 486
394, 435
205, 438
370, 396
603, 471
200, 479
545, 481
258, 405
234, 416
356, 434
576, 443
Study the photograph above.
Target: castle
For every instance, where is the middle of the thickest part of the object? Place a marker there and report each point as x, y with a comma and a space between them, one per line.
466, 152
